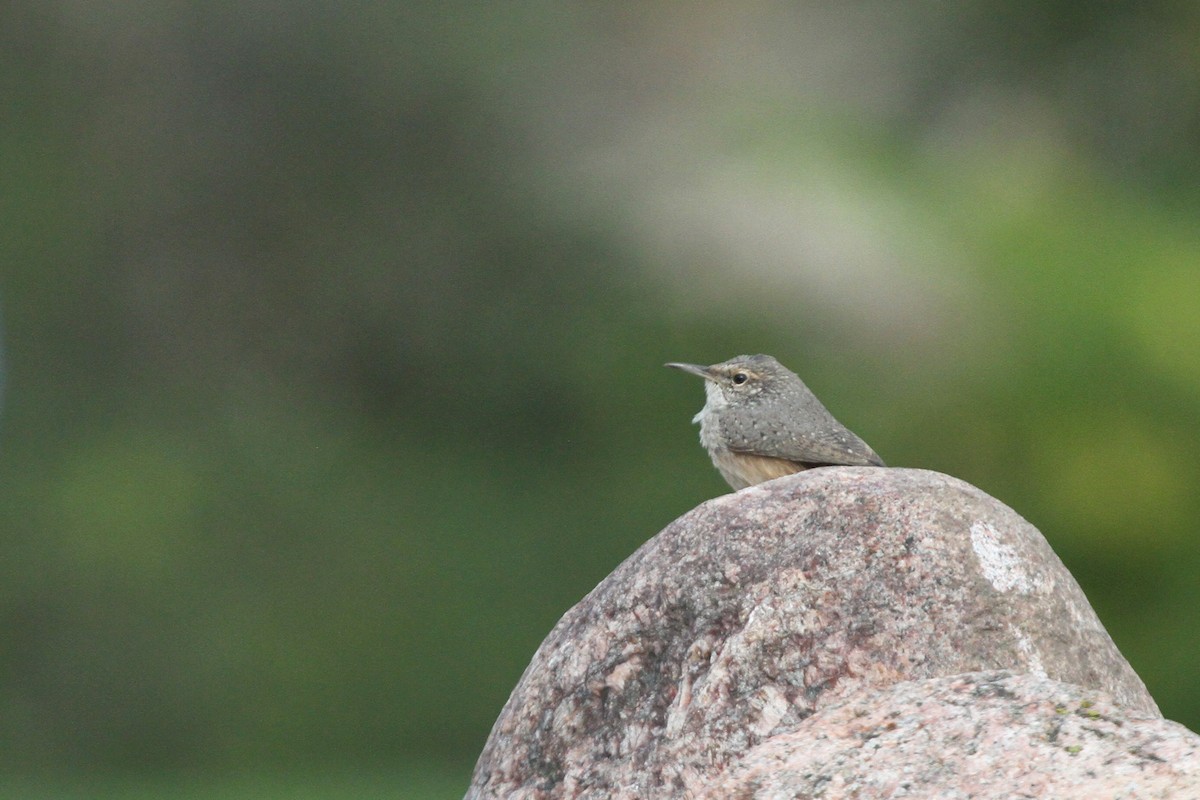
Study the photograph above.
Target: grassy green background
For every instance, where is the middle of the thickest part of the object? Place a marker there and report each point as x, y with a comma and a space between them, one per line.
333, 339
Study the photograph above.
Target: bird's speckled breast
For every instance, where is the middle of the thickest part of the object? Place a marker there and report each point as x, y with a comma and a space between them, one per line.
738, 469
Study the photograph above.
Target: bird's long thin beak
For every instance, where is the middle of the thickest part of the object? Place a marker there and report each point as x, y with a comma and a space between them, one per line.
695, 369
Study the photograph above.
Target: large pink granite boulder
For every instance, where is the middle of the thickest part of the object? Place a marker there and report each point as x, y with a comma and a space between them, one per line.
744, 617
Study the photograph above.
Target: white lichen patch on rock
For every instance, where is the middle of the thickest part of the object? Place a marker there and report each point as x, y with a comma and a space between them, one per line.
1000, 563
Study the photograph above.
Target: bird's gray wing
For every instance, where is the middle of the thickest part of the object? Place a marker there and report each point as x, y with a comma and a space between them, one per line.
820, 440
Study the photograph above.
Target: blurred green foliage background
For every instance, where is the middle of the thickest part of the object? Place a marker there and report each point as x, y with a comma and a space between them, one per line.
334, 338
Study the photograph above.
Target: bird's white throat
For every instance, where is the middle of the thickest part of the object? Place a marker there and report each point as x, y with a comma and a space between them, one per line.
715, 401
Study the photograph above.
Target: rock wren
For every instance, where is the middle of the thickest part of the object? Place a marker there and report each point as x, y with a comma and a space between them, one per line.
761, 422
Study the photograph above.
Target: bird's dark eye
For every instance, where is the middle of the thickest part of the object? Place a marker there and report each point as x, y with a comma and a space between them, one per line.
740, 377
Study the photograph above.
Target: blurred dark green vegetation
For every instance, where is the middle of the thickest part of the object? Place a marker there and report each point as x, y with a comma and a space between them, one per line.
334, 339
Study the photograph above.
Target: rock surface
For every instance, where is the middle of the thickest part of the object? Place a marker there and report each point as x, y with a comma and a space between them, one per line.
984, 736
745, 616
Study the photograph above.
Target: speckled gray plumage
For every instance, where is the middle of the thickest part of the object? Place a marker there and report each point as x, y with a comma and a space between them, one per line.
786, 420
760, 422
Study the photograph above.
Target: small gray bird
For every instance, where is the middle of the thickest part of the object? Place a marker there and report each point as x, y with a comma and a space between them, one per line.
761, 422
